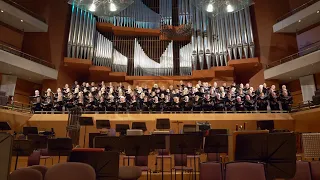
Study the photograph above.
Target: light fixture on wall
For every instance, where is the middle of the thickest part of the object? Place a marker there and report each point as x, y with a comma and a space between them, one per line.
102, 7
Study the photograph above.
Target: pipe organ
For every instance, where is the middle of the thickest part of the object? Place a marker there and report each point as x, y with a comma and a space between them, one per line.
137, 15
214, 40
81, 34
185, 54
145, 66
217, 40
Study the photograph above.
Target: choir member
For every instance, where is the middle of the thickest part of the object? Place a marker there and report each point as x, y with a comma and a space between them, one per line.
156, 105
36, 101
80, 101
283, 89
262, 102
167, 103
66, 90
58, 103
274, 102
249, 103
133, 104
102, 104
259, 90
265, 89
197, 104
230, 102
122, 105
219, 103
186, 104
145, 104
286, 101
48, 101
240, 104
111, 103
70, 101
241, 94
91, 105
246, 88
176, 104
207, 103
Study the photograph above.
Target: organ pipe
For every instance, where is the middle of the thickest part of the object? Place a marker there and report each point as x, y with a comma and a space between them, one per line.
185, 56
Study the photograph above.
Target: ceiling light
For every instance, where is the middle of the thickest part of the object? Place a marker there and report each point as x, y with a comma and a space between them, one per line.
2, 11
299, 20
92, 7
318, 12
21, 20
230, 8
113, 7
210, 8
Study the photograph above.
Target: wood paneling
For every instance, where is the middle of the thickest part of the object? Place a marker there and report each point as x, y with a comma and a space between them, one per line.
24, 89
296, 3
317, 80
11, 37
271, 46
37, 44
295, 88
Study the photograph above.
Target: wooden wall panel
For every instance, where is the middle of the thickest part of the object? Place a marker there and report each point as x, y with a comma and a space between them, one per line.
295, 88
11, 37
37, 44
24, 89
296, 3
271, 46
317, 80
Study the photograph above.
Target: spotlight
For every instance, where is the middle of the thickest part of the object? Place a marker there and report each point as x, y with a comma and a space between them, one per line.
92, 7
113, 7
210, 8
318, 12
21, 20
2, 11
299, 20
230, 8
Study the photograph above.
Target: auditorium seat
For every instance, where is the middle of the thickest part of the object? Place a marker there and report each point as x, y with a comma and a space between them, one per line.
245, 171
302, 171
42, 169
165, 154
181, 164
71, 171
214, 157
210, 171
129, 172
26, 174
142, 163
315, 170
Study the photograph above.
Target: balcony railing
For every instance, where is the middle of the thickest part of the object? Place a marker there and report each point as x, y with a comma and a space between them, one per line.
16, 52
305, 50
303, 6
22, 8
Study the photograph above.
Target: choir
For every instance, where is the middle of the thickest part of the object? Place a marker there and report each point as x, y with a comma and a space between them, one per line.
183, 97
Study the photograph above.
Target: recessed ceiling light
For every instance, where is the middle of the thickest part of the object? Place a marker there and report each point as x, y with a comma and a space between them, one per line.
300, 20
2, 11
21, 20
318, 12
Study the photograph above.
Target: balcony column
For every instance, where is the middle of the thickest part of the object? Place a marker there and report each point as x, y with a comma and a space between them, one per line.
308, 87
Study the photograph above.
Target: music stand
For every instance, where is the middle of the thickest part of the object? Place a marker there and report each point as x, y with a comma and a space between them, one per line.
109, 143
30, 130
60, 147
122, 128
216, 144
4, 126
105, 164
277, 151
21, 148
6, 141
139, 125
162, 124
136, 146
158, 141
186, 144
103, 124
85, 121
217, 131
265, 125
92, 136
39, 141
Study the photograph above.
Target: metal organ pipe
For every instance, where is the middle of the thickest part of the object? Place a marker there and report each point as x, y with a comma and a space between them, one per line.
249, 31
120, 62
185, 55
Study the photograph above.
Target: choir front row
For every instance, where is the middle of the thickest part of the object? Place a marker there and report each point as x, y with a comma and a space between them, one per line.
185, 97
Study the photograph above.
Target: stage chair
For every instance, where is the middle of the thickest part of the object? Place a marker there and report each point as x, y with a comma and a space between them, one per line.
44, 154
34, 158
142, 162
211, 171
129, 173
181, 164
42, 169
191, 158
71, 171
26, 174
245, 171
315, 169
214, 157
166, 155
302, 171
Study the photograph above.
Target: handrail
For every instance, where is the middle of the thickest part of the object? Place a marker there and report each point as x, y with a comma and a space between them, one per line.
304, 105
312, 48
303, 6
22, 8
25, 55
